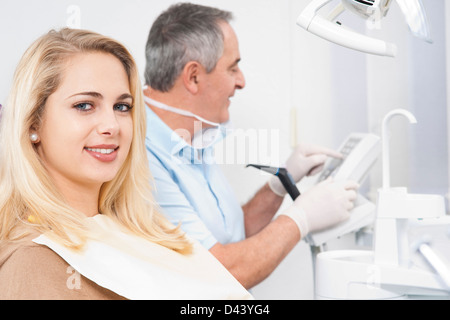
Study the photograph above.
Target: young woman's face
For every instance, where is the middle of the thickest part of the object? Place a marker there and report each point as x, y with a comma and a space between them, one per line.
87, 128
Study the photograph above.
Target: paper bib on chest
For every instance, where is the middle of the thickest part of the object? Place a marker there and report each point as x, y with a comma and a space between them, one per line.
139, 269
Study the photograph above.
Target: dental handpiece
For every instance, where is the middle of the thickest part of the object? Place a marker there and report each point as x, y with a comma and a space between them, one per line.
284, 176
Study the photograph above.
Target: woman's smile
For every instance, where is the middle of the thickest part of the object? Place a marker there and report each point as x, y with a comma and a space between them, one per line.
104, 153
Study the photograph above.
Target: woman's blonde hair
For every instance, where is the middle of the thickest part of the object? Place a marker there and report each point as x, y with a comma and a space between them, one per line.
25, 186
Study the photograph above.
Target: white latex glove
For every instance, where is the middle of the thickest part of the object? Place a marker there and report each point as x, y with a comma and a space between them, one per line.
324, 205
305, 160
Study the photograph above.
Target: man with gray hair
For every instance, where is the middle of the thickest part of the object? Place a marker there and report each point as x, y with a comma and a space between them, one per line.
192, 71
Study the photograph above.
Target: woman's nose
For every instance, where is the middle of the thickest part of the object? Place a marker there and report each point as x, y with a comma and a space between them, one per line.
108, 124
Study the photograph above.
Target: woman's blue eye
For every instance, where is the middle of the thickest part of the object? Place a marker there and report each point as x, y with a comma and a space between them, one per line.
83, 106
122, 107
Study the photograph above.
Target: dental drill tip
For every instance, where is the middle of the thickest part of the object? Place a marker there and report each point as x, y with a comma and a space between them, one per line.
271, 170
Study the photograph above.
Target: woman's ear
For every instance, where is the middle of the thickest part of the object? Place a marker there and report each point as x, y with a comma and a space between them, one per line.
191, 73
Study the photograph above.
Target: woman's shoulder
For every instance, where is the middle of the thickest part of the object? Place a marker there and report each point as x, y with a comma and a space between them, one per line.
33, 271
27, 254
12, 250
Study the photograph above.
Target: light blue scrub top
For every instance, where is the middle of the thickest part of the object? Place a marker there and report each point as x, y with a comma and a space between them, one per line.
190, 187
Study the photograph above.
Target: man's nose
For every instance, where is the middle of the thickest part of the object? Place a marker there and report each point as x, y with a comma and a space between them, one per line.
240, 80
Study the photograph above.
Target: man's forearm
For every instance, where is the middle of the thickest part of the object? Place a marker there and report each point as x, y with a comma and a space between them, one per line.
259, 211
250, 261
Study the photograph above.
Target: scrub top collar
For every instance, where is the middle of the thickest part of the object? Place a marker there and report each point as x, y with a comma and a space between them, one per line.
201, 150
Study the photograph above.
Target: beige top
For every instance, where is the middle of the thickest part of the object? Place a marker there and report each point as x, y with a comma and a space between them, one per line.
30, 271
115, 265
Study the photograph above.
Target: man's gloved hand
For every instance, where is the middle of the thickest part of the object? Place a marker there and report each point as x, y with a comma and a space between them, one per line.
305, 160
323, 206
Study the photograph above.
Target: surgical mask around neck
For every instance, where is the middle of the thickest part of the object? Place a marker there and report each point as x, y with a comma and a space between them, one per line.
202, 138
182, 112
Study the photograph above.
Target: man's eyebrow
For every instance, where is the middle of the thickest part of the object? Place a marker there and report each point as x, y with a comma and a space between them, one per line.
236, 62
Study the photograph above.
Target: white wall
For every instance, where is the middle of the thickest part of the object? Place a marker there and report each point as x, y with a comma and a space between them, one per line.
334, 90
447, 41
415, 80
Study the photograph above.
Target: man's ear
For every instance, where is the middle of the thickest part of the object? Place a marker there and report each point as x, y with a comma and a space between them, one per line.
191, 74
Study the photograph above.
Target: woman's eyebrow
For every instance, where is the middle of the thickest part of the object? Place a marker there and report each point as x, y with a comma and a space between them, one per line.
89, 93
125, 96
99, 95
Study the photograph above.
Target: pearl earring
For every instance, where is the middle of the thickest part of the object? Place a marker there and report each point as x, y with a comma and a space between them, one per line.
34, 137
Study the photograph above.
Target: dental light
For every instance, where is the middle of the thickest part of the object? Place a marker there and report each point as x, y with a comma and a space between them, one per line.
372, 10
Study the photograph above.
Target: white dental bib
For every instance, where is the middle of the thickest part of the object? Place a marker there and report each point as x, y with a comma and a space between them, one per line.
139, 269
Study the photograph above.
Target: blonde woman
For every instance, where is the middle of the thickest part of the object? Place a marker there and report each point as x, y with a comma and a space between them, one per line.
77, 218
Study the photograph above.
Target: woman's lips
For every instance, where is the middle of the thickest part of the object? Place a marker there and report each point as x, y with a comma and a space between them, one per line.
104, 153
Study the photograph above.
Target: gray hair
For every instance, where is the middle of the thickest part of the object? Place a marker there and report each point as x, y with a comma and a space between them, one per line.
184, 32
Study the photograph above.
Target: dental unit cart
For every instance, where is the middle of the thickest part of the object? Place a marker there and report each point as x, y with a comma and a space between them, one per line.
360, 152
388, 271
